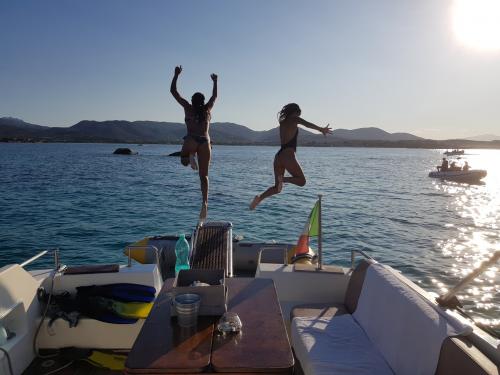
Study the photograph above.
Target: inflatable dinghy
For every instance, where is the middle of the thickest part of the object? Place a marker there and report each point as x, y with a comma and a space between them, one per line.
453, 153
472, 175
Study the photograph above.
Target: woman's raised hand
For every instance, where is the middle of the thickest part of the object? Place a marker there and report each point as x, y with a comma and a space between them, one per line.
326, 130
178, 70
213, 76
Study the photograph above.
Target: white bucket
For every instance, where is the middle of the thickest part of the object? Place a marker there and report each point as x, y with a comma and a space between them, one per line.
187, 307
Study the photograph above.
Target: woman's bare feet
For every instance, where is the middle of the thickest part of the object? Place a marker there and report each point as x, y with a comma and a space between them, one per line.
255, 202
276, 189
192, 162
203, 211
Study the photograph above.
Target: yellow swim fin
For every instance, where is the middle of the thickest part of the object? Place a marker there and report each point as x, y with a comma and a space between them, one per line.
107, 360
134, 310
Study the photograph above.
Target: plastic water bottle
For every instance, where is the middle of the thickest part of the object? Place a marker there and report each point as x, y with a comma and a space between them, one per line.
181, 254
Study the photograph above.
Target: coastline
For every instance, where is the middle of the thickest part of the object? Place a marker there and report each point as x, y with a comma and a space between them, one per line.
332, 142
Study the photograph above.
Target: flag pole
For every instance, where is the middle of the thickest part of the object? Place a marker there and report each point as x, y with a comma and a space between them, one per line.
320, 245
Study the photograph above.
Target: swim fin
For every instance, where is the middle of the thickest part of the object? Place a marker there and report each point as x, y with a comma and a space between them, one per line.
128, 310
110, 361
125, 292
132, 310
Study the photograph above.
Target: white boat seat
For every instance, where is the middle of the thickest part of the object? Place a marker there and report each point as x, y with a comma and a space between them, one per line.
350, 300
318, 332
318, 310
333, 346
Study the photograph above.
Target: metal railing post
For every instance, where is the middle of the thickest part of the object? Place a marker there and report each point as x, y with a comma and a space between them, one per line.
443, 300
26, 262
360, 252
320, 239
230, 250
56, 258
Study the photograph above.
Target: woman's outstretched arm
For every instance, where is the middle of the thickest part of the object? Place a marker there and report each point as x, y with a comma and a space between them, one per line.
326, 130
173, 87
211, 102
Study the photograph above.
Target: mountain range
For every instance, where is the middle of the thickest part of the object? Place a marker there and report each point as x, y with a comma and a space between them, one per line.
170, 132
485, 138
119, 131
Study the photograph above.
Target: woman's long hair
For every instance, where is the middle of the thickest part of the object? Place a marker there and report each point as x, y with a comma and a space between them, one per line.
199, 107
287, 111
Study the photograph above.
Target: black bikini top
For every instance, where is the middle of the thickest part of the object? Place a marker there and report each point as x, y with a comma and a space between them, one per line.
292, 143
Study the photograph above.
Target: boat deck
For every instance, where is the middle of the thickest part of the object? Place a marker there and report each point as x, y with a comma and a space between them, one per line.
41, 366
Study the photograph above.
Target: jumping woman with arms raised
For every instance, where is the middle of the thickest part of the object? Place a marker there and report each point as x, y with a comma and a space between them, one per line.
197, 141
285, 160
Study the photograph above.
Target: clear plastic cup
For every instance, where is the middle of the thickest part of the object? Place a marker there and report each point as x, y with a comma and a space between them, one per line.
187, 307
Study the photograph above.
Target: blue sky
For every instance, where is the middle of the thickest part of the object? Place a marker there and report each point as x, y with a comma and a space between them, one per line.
393, 64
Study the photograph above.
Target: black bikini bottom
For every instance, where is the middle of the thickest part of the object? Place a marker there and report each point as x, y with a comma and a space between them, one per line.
200, 139
282, 148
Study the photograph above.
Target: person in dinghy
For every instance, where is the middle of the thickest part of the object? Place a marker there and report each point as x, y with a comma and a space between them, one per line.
197, 141
285, 160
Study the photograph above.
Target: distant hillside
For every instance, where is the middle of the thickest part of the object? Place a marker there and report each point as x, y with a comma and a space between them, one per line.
11, 127
15, 122
164, 132
119, 131
228, 132
373, 134
96, 131
131, 132
485, 138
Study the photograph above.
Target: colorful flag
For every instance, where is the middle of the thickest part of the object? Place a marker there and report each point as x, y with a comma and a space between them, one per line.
311, 229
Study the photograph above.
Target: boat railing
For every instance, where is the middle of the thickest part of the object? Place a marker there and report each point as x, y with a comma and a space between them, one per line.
449, 299
358, 252
129, 249
55, 253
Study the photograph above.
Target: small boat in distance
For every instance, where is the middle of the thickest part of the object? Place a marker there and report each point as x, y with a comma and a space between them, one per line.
472, 175
454, 152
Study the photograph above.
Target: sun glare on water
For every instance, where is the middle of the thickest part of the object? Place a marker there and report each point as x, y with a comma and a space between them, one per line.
476, 238
476, 23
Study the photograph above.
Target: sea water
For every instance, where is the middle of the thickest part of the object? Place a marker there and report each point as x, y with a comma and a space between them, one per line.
91, 204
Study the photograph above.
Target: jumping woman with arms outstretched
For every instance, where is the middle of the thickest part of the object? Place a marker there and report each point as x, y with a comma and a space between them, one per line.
285, 160
197, 141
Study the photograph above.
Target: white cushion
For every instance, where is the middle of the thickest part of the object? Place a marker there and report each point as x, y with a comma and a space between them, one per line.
335, 346
406, 328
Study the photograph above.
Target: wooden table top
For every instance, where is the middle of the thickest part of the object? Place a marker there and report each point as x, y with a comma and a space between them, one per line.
262, 346
164, 347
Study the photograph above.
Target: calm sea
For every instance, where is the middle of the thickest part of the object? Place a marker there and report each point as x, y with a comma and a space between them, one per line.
90, 204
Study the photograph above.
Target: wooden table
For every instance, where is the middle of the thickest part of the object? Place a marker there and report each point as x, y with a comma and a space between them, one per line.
262, 346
